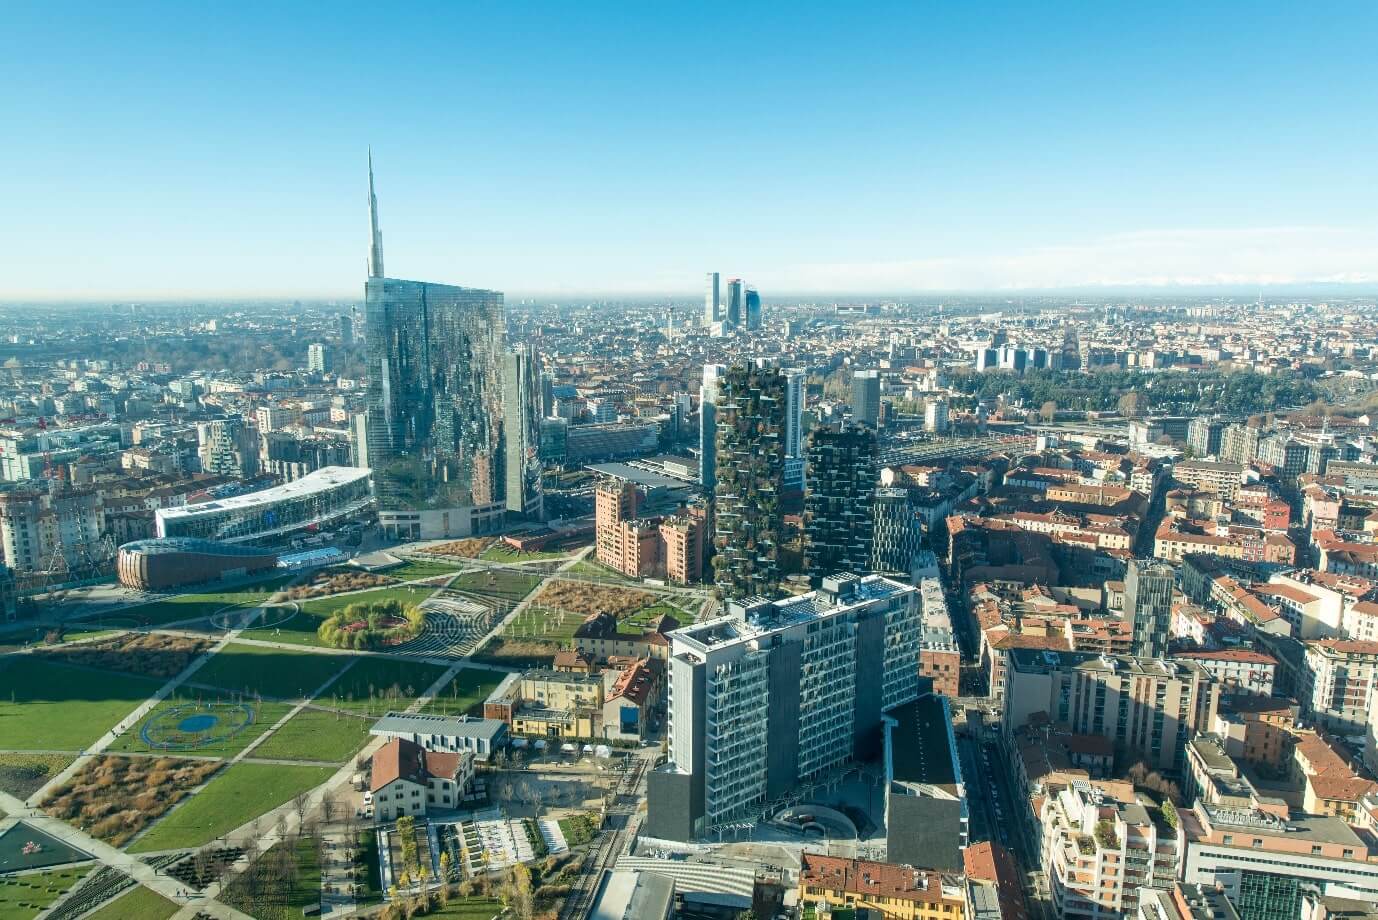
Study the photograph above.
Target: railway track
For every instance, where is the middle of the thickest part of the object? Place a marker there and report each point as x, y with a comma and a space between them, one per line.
609, 845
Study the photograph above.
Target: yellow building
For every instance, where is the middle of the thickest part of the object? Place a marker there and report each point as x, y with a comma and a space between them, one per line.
897, 892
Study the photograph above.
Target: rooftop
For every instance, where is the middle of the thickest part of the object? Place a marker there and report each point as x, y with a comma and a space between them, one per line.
322, 480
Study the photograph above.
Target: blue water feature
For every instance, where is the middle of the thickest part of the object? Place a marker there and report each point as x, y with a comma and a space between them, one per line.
202, 722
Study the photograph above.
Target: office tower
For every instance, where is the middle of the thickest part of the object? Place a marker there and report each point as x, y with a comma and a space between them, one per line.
750, 469
796, 382
434, 363
987, 359
708, 413
753, 309
521, 419
935, 416
712, 303
866, 398
896, 532
1148, 605
735, 302
317, 358
547, 396
228, 447
345, 323
837, 506
776, 694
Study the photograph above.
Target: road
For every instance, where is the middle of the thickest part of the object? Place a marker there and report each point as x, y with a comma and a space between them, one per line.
998, 814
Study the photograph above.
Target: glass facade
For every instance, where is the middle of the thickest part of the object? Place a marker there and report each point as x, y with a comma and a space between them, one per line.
521, 403
434, 428
319, 498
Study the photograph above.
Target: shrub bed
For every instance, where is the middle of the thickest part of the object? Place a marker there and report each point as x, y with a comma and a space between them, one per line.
369, 626
114, 798
133, 653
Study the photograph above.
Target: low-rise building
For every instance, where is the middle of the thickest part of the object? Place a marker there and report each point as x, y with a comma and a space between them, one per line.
894, 891
445, 734
407, 779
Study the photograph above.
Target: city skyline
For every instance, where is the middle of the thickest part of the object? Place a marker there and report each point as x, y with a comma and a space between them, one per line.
925, 151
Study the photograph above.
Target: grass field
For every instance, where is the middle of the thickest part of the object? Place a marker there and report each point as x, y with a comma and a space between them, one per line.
274, 899
369, 686
315, 735
21, 775
265, 714
25, 896
140, 904
195, 606
301, 629
501, 552
502, 584
593, 569
271, 672
48, 706
235, 797
420, 568
465, 693
544, 624
474, 908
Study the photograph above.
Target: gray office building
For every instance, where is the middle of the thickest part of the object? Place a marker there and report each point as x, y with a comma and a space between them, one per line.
521, 409
712, 301
434, 411
866, 398
753, 309
1148, 605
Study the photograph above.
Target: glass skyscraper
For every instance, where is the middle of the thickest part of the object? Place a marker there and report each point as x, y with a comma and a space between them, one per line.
434, 422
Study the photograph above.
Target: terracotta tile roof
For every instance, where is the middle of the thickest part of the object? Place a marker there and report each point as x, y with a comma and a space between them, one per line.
990, 862
872, 879
398, 759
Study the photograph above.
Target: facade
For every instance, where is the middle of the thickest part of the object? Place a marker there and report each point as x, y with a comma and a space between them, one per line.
1148, 605
779, 694
795, 384
892, 891
1239, 444
317, 358
1149, 705
521, 419
750, 458
1237, 670
896, 532
407, 779
1100, 845
866, 398
940, 657
289, 457
837, 506
319, 499
445, 734
228, 447
1340, 680
753, 309
160, 564
708, 428
736, 302
712, 300
671, 546
1224, 479
434, 410
56, 532
1204, 435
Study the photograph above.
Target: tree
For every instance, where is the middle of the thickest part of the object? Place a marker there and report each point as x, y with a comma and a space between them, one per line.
516, 892
1133, 403
1048, 412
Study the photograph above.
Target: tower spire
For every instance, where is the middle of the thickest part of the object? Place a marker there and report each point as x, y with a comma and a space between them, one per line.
375, 246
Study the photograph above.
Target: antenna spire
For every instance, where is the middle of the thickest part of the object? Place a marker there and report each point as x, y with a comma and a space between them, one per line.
375, 246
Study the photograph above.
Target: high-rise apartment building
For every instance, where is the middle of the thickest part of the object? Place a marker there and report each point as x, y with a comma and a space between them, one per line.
1148, 605
345, 325
228, 447
753, 309
795, 389
708, 427
1340, 683
712, 301
935, 418
435, 419
866, 398
58, 531
1204, 435
521, 414
896, 532
1239, 444
837, 506
747, 517
317, 358
777, 694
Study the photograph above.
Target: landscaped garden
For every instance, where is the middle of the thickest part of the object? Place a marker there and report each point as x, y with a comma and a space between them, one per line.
334, 580
50, 706
372, 626
114, 798
21, 775
149, 654
502, 584
205, 723
470, 548
303, 628
375, 685
140, 904
25, 896
416, 569
501, 552
235, 797
282, 884
197, 606
583, 599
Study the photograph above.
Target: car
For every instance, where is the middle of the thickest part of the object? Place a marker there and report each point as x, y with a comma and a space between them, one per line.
368, 797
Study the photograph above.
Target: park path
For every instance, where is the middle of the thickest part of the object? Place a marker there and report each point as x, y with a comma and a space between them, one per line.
290, 713
129, 721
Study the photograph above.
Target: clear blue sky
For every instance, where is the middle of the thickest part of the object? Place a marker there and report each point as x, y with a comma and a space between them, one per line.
218, 150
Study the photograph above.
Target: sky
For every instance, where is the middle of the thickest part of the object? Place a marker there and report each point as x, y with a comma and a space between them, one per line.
219, 150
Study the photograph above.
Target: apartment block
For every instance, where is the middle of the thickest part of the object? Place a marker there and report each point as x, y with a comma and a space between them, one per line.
1340, 676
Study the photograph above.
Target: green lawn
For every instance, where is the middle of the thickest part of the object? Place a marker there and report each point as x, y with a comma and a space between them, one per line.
475, 908
503, 584
265, 714
420, 568
50, 706
274, 900
375, 685
194, 606
21, 775
25, 896
315, 735
578, 829
464, 695
268, 671
591, 567
546, 624
501, 552
233, 798
301, 629
140, 904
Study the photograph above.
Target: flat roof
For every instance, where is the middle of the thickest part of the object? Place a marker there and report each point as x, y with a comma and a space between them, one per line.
919, 748
322, 480
432, 724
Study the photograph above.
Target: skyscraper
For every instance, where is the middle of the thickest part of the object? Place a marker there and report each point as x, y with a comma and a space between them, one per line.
434, 411
712, 303
346, 329
896, 533
837, 506
1148, 605
866, 397
317, 358
708, 414
795, 383
521, 411
736, 302
753, 309
747, 517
